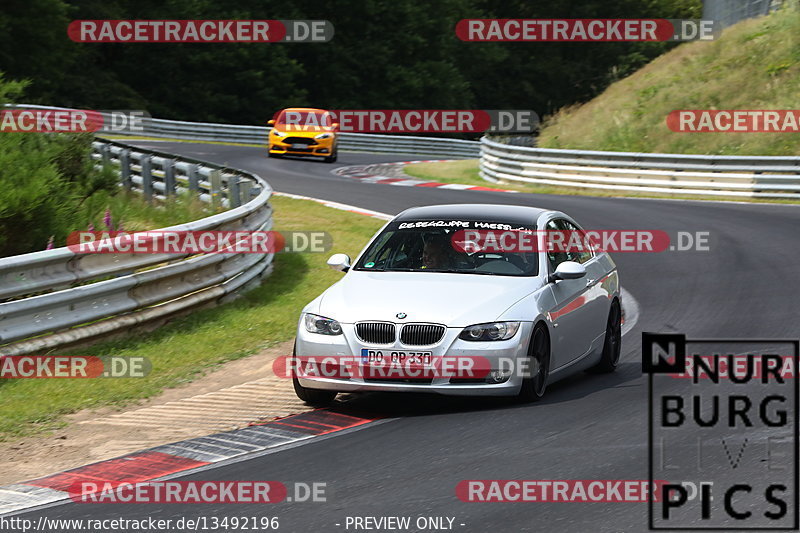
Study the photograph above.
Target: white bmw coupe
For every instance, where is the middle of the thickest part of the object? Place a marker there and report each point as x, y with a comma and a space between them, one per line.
425, 309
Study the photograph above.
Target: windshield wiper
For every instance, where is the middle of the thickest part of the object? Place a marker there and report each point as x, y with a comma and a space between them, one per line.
456, 271
444, 271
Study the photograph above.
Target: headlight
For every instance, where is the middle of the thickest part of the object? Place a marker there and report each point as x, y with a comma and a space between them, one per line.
322, 325
277, 133
491, 331
323, 136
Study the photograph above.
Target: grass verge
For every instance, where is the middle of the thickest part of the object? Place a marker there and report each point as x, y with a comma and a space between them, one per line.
131, 211
465, 171
186, 348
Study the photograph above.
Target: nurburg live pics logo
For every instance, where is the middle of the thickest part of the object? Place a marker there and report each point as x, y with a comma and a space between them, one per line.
725, 436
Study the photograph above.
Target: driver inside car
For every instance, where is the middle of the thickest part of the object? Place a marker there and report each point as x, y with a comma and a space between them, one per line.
435, 252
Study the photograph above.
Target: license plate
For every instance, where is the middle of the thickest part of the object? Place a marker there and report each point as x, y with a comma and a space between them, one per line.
299, 146
389, 357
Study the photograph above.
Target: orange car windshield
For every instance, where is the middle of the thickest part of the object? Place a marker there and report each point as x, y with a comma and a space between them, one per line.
304, 120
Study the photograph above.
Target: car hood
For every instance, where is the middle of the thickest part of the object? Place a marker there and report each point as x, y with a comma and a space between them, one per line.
456, 300
301, 131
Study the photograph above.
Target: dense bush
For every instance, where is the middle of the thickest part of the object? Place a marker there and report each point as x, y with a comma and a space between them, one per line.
45, 181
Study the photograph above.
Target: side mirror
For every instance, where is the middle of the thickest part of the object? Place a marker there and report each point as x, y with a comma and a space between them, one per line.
339, 262
568, 270
335, 126
270, 123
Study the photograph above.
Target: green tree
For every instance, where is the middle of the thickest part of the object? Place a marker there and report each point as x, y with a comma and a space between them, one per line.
385, 54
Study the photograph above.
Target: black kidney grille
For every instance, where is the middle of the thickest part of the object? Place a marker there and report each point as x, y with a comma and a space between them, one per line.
376, 332
421, 334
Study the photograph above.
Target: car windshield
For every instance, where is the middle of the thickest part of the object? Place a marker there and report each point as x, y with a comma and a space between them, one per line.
427, 246
304, 120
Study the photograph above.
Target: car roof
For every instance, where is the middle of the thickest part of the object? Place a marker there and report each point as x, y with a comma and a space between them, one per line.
304, 109
513, 214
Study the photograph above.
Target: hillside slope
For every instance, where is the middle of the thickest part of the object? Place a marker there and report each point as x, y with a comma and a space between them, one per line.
753, 65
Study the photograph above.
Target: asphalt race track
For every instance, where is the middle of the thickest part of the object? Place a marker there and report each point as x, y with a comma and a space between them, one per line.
588, 427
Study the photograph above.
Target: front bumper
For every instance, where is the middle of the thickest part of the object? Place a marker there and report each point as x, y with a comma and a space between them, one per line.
301, 146
500, 354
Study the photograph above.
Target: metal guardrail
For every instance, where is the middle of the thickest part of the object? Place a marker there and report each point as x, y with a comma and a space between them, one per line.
55, 297
354, 142
735, 176
729, 12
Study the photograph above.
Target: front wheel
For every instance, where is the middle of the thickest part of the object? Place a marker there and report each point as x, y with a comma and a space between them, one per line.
333, 157
534, 385
613, 341
313, 397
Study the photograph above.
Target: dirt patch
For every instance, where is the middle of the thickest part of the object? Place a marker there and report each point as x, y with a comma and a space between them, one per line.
232, 396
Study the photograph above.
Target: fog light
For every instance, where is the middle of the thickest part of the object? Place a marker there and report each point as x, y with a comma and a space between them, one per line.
323, 150
498, 376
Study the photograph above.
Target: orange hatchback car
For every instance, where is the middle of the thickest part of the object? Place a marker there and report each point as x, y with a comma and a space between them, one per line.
303, 131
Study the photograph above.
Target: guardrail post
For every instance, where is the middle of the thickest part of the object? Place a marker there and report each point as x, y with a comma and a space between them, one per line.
125, 169
147, 176
105, 155
194, 179
215, 179
245, 187
169, 177
234, 199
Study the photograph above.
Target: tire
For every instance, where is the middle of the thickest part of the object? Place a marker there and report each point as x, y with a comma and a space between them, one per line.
333, 157
275, 156
534, 386
612, 343
313, 397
